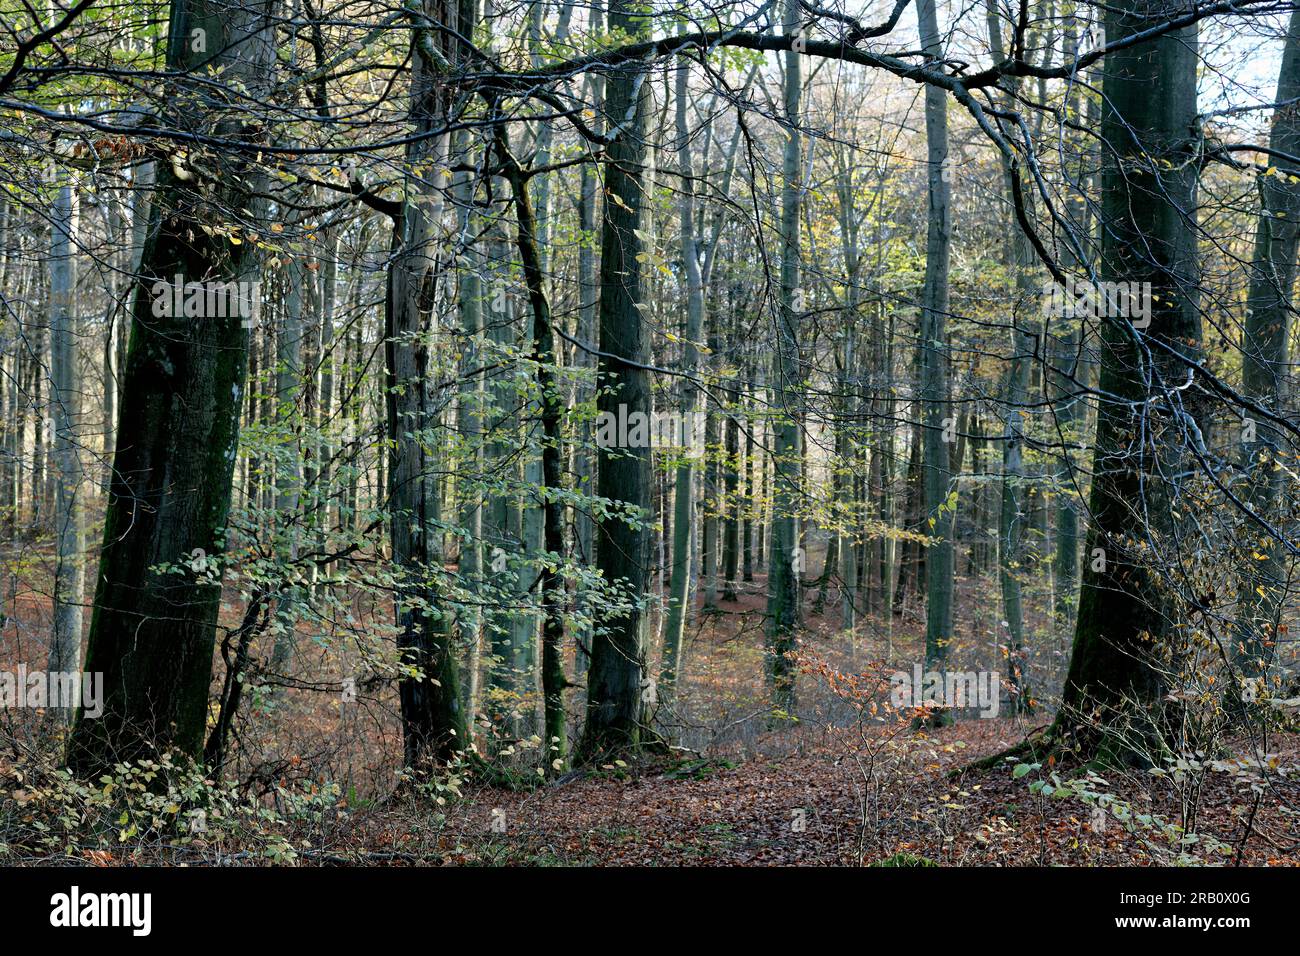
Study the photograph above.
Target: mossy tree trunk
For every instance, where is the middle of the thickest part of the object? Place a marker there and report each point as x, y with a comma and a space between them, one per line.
158, 589
433, 721
622, 543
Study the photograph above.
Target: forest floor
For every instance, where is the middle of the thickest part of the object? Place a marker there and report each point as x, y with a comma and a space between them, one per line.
823, 805
847, 784
833, 790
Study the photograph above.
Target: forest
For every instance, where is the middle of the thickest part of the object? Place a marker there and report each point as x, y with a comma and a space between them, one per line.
649, 432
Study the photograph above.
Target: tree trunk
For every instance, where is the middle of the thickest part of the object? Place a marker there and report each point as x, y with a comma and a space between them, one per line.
1067, 405
152, 631
747, 528
614, 681
786, 565
683, 592
934, 363
588, 293
65, 396
470, 424
288, 470
731, 503
433, 723
1265, 363
709, 495
551, 402
1148, 204
1015, 393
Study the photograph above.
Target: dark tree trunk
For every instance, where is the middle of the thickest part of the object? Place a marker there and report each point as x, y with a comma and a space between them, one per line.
153, 627
1265, 363
617, 666
747, 525
552, 407
731, 505
934, 365
433, 722
1148, 204
784, 585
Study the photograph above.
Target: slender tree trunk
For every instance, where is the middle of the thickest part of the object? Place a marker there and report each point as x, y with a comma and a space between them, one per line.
470, 423
846, 483
747, 528
1067, 406
551, 403
731, 503
113, 319
15, 420
709, 495
288, 471
36, 390
501, 519
1015, 394
683, 591
65, 396
325, 496
784, 590
934, 363
588, 291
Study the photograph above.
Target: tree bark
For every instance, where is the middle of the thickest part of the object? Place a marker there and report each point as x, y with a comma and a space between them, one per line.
682, 595
433, 723
1265, 347
933, 362
786, 564
551, 403
1148, 203
617, 666
1015, 394
152, 631
65, 396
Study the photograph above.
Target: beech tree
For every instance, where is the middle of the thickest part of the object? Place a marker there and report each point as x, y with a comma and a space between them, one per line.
158, 585
622, 541
1146, 426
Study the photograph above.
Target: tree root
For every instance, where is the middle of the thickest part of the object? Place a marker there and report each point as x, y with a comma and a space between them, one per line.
1036, 744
